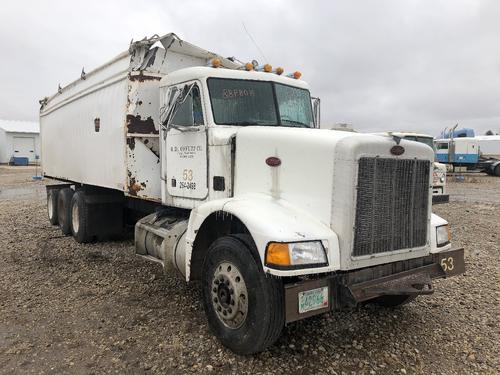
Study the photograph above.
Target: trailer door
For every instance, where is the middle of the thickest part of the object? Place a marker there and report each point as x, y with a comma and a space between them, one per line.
186, 146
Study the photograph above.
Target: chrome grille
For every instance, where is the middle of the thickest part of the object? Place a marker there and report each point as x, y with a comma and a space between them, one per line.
391, 206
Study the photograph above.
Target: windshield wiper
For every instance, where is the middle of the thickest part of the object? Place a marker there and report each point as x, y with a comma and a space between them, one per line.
247, 123
295, 123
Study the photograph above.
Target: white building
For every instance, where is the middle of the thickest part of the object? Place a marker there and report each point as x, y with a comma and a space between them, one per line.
20, 139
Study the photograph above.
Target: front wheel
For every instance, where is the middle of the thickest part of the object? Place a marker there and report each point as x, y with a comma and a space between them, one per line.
244, 307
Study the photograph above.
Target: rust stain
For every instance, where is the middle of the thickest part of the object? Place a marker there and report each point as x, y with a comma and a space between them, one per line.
133, 186
143, 78
131, 144
137, 125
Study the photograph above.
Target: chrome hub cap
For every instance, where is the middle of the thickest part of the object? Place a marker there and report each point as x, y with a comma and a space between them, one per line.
229, 295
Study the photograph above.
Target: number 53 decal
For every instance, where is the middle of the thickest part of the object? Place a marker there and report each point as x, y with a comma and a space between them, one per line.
447, 264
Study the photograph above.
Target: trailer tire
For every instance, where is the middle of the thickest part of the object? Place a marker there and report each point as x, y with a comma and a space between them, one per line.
64, 210
234, 286
52, 206
392, 301
79, 218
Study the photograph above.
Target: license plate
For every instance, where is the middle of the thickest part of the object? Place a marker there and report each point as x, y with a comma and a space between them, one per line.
314, 299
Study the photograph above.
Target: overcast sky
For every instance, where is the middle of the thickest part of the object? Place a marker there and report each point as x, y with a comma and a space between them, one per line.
378, 65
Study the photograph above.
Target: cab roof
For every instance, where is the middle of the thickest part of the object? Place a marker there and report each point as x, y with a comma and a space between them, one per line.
202, 72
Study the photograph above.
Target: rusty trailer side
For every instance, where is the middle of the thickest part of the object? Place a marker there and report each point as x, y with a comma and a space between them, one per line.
103, 129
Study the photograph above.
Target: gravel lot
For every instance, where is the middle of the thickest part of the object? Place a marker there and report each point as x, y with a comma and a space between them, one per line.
71, 308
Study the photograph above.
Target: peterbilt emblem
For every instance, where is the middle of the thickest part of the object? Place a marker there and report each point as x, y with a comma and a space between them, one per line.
397, 150
273, 161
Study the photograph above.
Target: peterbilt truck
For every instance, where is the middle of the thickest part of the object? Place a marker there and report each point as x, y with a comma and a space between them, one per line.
222, 170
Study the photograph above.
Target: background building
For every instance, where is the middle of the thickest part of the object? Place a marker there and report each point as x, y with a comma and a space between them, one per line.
19, 139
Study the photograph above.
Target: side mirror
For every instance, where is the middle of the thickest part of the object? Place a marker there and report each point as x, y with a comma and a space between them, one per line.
316, 111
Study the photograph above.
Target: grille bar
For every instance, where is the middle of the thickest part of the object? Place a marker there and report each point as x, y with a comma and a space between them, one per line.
391, 206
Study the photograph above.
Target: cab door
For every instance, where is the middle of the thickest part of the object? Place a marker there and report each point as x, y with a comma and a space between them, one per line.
186, 172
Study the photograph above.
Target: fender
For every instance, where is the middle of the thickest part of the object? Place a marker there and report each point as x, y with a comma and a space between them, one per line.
268, 219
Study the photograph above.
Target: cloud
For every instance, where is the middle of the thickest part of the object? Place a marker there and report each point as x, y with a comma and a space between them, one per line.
378, 65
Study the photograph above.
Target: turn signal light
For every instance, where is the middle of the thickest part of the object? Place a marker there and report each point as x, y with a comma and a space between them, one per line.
268, 68
249, 66
216, 63
297, 74
279, 70
278, 254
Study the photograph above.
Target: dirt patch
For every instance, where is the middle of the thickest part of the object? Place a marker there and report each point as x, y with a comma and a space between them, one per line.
96, 308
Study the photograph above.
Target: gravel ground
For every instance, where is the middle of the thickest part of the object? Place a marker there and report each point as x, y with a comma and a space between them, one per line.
71, 308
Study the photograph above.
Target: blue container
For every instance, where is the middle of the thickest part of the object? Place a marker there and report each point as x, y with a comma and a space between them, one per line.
19, 161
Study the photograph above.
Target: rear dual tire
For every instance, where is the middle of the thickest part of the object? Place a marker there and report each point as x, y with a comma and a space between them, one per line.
52, 206
80, 218
64, 210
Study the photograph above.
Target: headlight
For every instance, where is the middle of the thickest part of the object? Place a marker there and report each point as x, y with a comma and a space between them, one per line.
443, 235
295, 255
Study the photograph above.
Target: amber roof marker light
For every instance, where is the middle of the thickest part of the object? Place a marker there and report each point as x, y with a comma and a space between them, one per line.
216, 63
295, 75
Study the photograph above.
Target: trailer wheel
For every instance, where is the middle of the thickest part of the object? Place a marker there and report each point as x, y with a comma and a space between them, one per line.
79, 218
52, 206
392, 301
64, 210
244, 307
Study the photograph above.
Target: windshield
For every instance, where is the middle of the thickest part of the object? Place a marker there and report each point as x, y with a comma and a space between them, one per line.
246, 102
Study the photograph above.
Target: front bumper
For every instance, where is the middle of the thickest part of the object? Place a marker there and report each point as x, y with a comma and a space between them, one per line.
346, 289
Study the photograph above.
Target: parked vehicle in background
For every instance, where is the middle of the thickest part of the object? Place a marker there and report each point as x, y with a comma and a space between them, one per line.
223, 171
480, 152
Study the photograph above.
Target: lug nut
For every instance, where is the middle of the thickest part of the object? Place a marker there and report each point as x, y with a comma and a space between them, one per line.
219, 308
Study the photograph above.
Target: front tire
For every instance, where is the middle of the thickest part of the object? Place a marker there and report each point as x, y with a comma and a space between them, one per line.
244, 307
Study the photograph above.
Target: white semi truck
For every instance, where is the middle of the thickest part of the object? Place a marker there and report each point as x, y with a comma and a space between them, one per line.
220, 167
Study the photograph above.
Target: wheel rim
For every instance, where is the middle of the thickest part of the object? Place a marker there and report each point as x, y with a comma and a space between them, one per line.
229, 295
50, 207
75, 221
